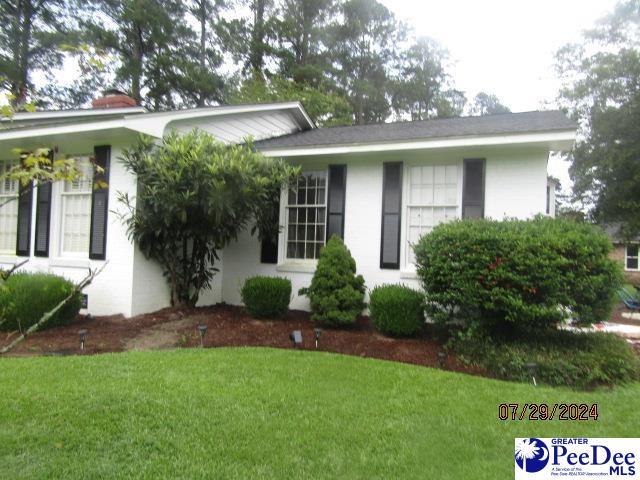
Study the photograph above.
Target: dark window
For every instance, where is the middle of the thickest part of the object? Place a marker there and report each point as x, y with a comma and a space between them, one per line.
548, 199
473, 189
632, 257
391, 215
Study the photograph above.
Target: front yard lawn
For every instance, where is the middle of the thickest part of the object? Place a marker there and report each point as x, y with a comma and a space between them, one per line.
271, 413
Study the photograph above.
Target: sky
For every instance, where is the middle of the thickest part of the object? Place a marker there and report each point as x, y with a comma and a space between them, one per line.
505, 47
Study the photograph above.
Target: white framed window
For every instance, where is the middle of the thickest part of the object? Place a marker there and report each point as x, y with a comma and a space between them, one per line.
432, 199
76, 211
306, 217
8, 211
631, 257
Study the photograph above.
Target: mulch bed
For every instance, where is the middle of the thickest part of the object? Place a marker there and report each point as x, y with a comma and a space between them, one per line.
232, 326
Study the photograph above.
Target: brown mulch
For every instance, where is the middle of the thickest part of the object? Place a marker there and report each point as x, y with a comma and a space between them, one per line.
230, 326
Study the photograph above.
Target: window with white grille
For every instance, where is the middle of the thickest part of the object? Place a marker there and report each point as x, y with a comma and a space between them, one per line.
8, 211
432, 199
306, 216
76, 211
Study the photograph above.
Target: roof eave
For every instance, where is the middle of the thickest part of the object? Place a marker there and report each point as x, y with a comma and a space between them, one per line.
561, 140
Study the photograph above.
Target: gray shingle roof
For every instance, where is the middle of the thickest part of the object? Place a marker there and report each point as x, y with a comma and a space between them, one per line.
506, 123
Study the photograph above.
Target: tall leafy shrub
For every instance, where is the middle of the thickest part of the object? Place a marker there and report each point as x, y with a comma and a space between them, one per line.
26, 297
517, 274
195, 196
336, 293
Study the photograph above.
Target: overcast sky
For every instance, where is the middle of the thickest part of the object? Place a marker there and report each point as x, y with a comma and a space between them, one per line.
505, 47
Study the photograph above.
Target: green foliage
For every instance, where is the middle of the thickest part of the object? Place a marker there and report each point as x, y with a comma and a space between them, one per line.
31, 33
579, 360
196, 195
601, 91
325, 107
487, 104
513, 275
336, 293
266, 297
362, 47
422, 87
397, 310
26, 297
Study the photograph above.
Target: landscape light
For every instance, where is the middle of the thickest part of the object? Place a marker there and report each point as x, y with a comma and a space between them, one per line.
202, 330
442, 359
83, 337
316, 334
296, 338
532, 367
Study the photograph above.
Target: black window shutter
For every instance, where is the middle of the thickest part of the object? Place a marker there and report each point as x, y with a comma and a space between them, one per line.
336, 200
268, 246
473, 188
391, 215
43, 219
25, 199
100, 204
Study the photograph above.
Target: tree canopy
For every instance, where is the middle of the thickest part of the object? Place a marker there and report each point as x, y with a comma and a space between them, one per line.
349, 61
601, 90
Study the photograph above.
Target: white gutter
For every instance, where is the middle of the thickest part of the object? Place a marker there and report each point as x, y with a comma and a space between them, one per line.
97, 112
562, 140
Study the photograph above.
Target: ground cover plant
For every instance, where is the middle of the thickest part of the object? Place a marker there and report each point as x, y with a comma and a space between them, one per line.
396, 310
336, 292
562, 358
266, 297
26, 297
268, 413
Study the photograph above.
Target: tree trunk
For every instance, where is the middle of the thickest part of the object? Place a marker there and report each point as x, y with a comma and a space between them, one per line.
24, 21
203, 47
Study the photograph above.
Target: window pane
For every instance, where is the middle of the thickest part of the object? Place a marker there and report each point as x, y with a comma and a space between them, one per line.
305, 226
76, 221
632, 263
473, 182
632, 250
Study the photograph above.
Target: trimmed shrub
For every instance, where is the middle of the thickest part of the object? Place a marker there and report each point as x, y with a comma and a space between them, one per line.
336, 293
396, 310
25, 297
579, 360
266, 297
511, 275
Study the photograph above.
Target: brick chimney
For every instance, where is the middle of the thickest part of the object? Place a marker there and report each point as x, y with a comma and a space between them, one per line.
113, 98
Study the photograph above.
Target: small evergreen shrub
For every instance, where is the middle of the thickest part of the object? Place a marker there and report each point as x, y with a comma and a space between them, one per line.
336, 293
396, 310
266, 297
25, 297
563, 358
511, 275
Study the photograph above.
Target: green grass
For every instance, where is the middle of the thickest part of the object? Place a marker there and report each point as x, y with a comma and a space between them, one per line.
264, 413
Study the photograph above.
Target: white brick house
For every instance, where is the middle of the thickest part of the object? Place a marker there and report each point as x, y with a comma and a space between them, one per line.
379, 187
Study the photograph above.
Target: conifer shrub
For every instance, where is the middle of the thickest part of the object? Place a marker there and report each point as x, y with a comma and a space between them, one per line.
336, 293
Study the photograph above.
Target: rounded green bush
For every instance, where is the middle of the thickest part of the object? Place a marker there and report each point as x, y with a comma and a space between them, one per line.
396, 310
266, 297
26, 297
517, 275
336, 293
